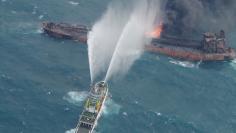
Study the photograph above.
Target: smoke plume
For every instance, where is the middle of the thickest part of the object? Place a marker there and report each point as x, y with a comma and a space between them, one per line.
188, 16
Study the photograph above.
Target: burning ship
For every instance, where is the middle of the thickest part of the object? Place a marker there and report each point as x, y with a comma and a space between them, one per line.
212, 47
93, 107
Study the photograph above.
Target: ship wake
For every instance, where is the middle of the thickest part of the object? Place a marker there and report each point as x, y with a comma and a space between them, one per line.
110, 107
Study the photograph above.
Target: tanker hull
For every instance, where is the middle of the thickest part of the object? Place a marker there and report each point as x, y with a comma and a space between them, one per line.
191, 55
212, 47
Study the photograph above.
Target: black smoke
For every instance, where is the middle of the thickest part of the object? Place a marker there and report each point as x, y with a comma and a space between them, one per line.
192, 17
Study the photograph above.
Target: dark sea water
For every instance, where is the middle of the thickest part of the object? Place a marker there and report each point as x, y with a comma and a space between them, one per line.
43, 81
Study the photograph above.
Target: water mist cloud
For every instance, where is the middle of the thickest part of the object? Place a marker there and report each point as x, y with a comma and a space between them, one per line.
103, 38
133, 39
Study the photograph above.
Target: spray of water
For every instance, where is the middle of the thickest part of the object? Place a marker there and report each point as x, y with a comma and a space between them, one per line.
103, 38
118, 38
133, 37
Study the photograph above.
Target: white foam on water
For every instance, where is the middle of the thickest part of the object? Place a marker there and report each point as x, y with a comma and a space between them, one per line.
125, 113
49, 92
158, 113
73, 3
75, 97
5, 76
110, 107
70, 131
103, 37
40, 16
66, 109
34, 12
157, 58
35, 9
233, 63
186, 64
39, 31
13, 12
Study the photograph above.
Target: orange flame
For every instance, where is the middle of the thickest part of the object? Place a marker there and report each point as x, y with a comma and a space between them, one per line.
156, 33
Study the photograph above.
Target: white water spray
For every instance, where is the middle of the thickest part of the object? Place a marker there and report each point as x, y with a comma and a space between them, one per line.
103, 38
118, 38
133, 39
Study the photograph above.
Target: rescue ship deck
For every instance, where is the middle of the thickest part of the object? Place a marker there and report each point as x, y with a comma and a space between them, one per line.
93, 107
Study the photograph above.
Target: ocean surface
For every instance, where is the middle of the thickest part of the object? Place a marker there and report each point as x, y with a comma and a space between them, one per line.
44, 81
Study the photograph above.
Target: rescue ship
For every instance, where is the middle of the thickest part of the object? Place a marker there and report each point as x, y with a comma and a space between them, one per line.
212, 46
93, 108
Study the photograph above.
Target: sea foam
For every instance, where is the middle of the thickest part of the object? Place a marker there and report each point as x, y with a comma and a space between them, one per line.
111, 107
39, 31
233, 63
186, 64
75, 97
73, 3
70, 131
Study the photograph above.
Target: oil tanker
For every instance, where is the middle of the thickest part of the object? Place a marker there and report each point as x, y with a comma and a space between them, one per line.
212, 46
93, 107
66, 31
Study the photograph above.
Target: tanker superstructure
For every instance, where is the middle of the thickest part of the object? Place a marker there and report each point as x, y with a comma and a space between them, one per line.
212, 46
92, 108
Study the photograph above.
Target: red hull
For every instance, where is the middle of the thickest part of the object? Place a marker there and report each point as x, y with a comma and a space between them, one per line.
192, 55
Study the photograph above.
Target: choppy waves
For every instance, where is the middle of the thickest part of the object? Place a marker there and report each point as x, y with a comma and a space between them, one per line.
111, 107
